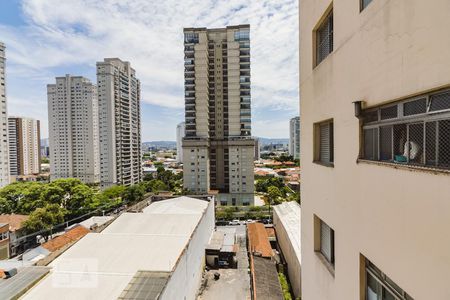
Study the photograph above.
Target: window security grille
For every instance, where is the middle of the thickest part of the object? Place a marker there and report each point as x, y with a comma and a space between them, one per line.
379, 286
415, 107
324, 38
413, 132
327, 242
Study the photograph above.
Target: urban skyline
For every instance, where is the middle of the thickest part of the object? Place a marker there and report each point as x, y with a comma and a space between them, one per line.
160, 67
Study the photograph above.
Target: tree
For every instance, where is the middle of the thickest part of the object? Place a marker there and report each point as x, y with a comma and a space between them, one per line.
274, 195
159, 185
133, 193
114, 192
44, 218
81, 200
53, 194
5, 206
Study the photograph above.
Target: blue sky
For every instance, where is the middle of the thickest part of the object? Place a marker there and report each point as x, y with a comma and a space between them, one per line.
48, 38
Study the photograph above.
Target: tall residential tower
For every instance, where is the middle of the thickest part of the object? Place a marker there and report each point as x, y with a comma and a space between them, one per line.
4, 163
119, 123
294, 137
24, 146
73, 129
218, 149
181, 128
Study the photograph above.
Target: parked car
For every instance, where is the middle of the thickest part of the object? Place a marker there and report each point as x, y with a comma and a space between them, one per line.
250, 221
234, 222
222, 223
267, 221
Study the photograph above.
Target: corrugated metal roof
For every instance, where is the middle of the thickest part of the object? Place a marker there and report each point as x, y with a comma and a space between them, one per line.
145, 285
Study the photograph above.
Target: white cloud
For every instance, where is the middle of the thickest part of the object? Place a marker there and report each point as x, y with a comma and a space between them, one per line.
149, 34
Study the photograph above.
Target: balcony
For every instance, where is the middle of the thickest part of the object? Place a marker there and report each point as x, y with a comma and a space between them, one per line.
414, 132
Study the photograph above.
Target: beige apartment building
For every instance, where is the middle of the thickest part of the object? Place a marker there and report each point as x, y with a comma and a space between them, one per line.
217, 148
119, 96
375, 150
24, 146
73, 129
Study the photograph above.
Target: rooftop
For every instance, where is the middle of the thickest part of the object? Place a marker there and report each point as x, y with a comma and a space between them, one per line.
289, 215
134, 248
259, 240
66, 238
14, 221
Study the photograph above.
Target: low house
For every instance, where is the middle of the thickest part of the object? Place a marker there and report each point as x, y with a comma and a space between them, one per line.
221, 250
15, 223
264, 274
4, 241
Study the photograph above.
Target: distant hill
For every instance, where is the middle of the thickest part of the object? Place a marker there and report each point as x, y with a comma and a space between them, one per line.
161, 144
268, 141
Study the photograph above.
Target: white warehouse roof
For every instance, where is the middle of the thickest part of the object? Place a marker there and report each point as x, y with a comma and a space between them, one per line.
289, 215
101, 265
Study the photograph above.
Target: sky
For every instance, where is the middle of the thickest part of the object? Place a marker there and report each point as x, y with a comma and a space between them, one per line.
49, 38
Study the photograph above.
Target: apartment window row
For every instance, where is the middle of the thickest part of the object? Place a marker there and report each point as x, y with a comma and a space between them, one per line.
375, 283
411, 132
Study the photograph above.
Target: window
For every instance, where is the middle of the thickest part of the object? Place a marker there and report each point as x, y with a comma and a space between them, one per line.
378, 286
242, 35
324, 152
410, 132
324, 38
191, 38
364, 4
327, 242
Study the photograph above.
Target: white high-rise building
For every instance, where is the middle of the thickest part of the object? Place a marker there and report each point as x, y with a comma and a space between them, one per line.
119, 123
24, 146
294, 137
73, 129
180, 135
4, 162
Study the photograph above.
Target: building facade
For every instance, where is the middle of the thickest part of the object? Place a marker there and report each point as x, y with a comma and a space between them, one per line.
218, 149
73, 129
375, 152
180, 135
294, 137
4, 151
24, 146
257, 155
119, 123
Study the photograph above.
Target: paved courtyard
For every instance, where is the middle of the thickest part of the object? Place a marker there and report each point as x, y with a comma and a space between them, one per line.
233, 283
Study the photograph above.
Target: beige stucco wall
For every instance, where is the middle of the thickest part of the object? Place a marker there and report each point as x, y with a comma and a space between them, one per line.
397, 218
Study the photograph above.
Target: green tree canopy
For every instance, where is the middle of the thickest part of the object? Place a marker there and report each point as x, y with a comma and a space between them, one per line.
44, 218
274, 195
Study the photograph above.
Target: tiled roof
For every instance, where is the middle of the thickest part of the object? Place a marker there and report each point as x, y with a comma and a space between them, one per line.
259, 240
70, 236
14, 221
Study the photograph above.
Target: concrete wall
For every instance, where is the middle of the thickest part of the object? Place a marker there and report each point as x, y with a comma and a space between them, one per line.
292, 260
186, 278
397, 218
